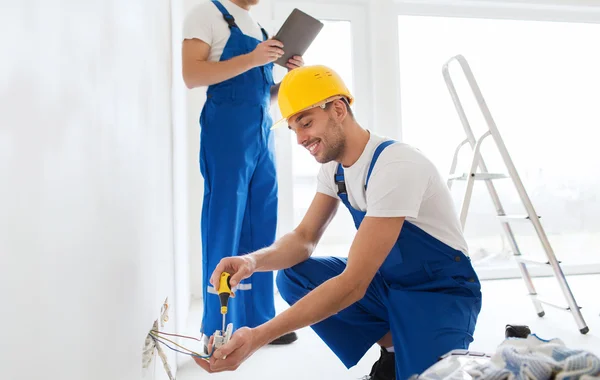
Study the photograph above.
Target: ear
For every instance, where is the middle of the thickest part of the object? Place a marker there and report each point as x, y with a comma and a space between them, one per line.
339, 110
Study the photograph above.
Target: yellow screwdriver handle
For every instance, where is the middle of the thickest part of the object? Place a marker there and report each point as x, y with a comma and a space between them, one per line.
224, 291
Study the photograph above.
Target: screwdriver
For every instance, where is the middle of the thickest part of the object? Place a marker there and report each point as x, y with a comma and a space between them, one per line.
224, 293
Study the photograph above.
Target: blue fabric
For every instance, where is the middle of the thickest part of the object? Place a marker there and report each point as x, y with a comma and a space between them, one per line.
426, 293
376, 154
239, 212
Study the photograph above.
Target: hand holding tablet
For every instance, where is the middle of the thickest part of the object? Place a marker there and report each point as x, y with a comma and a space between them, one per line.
297, 33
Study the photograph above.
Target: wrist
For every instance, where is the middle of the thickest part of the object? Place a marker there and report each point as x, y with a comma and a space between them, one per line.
263, 335
249, 61
251, 261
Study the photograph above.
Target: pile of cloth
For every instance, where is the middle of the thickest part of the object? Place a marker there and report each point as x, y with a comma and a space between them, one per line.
536, 358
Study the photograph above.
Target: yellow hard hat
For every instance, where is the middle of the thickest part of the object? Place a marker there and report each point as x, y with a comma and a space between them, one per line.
308, 87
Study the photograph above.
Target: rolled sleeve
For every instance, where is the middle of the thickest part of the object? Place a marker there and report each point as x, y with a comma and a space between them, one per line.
198, 24
325, 183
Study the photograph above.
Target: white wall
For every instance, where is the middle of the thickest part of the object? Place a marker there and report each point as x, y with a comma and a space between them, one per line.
194, 100
182, 163
86, 233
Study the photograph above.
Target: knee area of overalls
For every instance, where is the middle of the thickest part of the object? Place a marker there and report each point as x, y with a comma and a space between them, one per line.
284, 284
290, 279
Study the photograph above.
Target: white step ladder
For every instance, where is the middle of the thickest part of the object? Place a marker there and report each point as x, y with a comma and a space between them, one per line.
488, 178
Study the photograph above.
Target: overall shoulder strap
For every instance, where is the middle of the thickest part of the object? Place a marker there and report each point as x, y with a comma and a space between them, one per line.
341, 186
378, 151
339, 180
226, 15
264, 32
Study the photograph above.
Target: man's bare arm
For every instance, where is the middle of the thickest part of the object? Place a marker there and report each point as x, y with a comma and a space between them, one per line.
198, 71
275, 92
291, 249
374, 240
298, 245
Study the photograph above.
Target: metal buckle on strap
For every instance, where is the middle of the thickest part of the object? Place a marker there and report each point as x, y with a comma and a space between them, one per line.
230, 20
341, 185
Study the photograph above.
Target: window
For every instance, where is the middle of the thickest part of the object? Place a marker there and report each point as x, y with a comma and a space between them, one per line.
330, 50
542, 84
342, 35
333, 48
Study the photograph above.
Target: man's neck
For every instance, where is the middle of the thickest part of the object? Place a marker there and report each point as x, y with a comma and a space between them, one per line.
356, 141
241, 3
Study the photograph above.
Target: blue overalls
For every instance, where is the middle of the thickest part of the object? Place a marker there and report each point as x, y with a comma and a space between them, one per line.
426, 293
239, 212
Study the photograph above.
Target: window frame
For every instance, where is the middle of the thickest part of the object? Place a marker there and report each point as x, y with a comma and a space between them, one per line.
357, 15
576, 11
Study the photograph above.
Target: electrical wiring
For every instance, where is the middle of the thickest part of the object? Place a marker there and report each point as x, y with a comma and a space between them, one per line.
160, 339
176, 344
193, 354
177, 335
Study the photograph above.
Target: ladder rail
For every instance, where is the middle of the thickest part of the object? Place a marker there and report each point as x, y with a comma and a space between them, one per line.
526, 201
471, 180
470, 136
455, 160
506, 228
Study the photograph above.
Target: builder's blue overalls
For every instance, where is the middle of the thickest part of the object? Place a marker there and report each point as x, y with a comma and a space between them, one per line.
426, 293
239, 212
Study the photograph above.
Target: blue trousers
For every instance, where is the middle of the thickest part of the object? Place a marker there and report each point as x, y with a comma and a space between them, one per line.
424, 324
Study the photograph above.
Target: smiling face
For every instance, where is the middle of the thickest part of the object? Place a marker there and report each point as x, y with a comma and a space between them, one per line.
321, 131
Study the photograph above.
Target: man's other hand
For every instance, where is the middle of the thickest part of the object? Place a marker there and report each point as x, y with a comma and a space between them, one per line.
295, 62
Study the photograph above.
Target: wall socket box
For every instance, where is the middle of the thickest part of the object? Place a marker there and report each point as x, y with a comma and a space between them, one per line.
151, 353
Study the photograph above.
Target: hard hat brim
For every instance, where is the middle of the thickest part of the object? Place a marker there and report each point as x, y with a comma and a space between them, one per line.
283, 121
279, 123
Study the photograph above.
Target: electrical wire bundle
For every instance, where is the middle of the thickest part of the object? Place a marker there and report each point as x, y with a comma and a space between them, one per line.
159, 339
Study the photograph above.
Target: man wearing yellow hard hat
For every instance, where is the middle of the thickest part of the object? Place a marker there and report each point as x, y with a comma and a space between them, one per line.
407, 283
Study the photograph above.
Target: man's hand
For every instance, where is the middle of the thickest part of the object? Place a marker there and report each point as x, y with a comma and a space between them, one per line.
266, 52
240, 267
229, 357
295, 62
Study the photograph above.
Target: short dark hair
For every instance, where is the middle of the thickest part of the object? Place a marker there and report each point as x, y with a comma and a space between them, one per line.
348, 108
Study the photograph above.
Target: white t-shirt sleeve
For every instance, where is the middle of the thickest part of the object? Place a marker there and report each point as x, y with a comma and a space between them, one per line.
199, 23
397, 188
325, 183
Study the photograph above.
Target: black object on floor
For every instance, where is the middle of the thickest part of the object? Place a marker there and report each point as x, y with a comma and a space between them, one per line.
285, 339
517, 331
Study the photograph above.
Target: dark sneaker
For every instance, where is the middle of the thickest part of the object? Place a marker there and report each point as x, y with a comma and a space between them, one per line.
384, 368
517, 331
285, 339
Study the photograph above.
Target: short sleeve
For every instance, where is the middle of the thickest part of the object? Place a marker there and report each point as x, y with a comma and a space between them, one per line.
397, 188
198, 24
325, 183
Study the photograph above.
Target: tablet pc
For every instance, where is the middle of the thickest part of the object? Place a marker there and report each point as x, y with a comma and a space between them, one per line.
297, 33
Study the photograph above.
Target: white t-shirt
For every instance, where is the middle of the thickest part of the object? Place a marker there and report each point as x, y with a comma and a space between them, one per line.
403, 183
205, 22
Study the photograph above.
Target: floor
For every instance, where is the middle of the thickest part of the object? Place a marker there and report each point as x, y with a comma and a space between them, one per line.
505, 301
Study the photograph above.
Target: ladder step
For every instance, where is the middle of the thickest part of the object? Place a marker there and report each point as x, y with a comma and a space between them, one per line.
517, 218
549, 303
478, 176
522, 259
